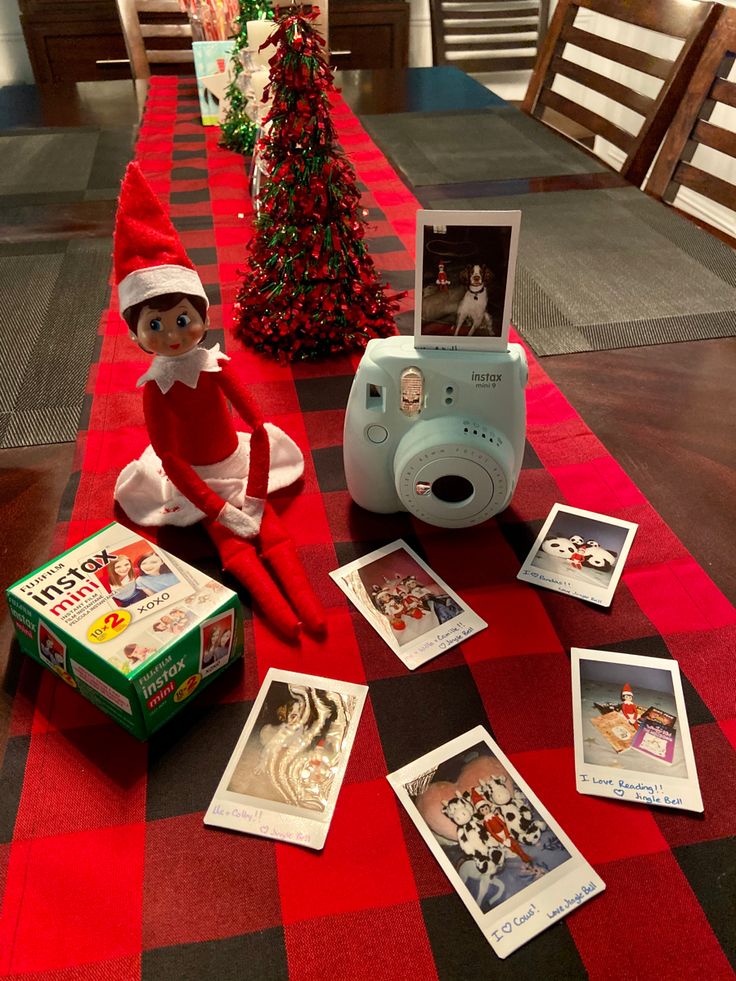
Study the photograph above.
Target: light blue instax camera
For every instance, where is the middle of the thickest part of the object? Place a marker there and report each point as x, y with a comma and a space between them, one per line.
437, 433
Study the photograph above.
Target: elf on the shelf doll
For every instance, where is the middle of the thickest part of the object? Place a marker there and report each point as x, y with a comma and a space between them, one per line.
198, 466
628, 709
496, 826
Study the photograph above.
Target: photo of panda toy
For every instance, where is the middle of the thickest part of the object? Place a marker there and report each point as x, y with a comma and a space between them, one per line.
579, 553
561, 548
596, 557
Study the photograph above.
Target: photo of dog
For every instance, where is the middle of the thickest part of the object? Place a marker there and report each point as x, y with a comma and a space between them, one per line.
474, 304
465, 277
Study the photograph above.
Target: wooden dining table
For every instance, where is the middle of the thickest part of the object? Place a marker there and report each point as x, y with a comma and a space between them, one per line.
89, 817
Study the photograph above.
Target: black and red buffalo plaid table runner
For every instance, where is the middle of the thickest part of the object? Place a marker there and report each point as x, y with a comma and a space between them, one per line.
106, 867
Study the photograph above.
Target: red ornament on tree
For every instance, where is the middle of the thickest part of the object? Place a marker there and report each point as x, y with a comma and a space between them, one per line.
310, 288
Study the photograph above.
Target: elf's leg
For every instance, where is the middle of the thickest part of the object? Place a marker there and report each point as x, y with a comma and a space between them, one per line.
278, 549
240, 558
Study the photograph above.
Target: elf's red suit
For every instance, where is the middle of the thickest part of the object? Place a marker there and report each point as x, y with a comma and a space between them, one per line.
198, 466
628, 709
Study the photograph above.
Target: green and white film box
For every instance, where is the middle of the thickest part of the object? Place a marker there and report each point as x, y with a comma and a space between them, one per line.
137, 631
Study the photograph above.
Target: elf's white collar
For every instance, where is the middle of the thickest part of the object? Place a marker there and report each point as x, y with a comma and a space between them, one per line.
186, 368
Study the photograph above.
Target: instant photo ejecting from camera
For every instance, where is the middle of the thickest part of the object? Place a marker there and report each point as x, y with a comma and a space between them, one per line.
436, 424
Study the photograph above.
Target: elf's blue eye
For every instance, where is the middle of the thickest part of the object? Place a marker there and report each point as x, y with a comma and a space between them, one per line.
183, 320
155, 325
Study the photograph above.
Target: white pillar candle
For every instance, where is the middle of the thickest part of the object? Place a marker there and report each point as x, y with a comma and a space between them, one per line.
258, 31
258, 82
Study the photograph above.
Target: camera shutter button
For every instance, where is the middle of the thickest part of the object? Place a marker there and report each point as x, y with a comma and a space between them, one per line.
377, 434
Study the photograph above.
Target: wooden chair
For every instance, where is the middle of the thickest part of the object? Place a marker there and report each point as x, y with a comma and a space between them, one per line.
487, 35
699, 122
158, 37
689, 20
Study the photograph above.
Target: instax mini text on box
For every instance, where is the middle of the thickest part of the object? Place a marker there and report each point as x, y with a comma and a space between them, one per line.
137, 631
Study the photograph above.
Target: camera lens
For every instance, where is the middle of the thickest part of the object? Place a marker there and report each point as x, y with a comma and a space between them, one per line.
452, 489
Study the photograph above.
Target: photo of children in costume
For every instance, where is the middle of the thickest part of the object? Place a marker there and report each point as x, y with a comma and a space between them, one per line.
198, 466
486, 826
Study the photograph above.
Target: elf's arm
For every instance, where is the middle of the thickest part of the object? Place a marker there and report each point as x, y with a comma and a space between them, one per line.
187, 481
260, 447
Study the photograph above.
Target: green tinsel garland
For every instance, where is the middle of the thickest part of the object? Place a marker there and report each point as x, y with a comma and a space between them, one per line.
238, 132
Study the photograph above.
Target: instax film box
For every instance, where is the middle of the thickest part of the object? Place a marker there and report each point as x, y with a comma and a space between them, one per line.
135, 630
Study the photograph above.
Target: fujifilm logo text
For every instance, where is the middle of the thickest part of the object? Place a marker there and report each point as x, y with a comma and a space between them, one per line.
69, 588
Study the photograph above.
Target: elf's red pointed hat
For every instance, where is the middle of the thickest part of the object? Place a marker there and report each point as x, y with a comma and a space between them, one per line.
148, 255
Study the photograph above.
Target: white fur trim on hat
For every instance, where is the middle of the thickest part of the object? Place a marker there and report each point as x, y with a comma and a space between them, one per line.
144, 284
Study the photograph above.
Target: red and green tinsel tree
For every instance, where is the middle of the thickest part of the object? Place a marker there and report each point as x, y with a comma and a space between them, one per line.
310, 288
238, 132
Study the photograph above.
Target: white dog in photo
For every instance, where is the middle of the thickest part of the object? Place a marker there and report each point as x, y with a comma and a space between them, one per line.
474, 304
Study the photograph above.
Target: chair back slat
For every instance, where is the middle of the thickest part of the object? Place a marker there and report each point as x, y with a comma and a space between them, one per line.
483, 29
156, 32
701, 126
671, 17
165, 56
169, 7
608, 95
715, 137
590, 120
715, 188
477, 11
606, 86
480, 47
166, 30
487, 35
724, 91
622, 54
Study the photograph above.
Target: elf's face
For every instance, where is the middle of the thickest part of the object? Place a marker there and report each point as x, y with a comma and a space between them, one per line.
170, 333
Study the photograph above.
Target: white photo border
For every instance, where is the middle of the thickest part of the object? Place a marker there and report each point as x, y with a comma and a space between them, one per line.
433, 642
215, 618
631, 785
568, 585
510, 925
42, 625
272, 819
509, 219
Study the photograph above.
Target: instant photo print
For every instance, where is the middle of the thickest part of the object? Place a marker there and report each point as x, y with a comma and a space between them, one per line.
466, 262
580, 553
52, 650
509, 861
413, 610
632, 739
286, 770
217, 638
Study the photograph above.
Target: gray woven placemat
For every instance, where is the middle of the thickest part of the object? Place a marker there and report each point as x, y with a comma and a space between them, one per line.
37, 162
481, 145
48, 339
599, 270
52, 292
